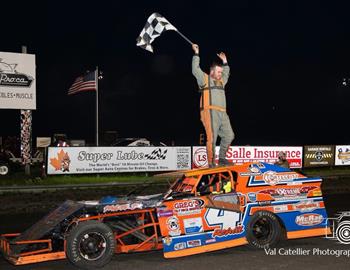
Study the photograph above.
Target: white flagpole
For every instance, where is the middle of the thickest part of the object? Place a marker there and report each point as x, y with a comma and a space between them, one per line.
184, 37
96, 80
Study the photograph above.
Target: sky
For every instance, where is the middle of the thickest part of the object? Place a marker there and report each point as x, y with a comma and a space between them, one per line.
287, 59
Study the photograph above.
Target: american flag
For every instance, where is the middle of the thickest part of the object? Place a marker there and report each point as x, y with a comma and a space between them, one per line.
83, 83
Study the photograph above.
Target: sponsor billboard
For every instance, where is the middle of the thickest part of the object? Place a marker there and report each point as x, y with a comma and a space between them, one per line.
342, 155
17, 81
318, 155
241, 154
80, 160
43, 141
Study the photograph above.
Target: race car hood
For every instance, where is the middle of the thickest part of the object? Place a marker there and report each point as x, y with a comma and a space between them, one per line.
110, 204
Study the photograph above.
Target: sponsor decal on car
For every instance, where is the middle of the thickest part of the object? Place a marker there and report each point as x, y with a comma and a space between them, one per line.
249, 174
188, 207
188, 188
288, 193
209, 241
173, 226
179, 246
280, 208
260, 165
294, 183
193, 225
264, 203
194, 243
273, 178
164, 213
167, 240
253, 171
316, 193
309, 219
122, 207
306, 206
252, 196
229, 231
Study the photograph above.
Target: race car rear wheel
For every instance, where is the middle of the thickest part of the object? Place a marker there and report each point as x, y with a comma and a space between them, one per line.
264, 230
91, 244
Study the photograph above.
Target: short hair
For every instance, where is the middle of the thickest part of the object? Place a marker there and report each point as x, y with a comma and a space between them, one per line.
215, 64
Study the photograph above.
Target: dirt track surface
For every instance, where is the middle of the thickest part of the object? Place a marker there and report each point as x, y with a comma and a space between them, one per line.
233, 258
321, 251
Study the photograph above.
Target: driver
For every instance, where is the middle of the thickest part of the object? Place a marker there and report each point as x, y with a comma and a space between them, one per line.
226, 185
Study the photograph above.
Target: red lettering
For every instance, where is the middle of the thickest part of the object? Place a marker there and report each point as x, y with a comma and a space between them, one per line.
202, 157
228, 231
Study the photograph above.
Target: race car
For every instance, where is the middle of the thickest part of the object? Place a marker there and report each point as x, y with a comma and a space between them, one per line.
204, 210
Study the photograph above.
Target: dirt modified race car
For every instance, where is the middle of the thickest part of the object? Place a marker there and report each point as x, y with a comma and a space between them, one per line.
264, 204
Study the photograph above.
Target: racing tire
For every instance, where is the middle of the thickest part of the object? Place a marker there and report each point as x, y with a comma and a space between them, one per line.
91, 244
264, 230
4, 169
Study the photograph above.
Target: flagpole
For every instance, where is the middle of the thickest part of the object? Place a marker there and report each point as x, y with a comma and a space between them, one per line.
184, 37
96, 80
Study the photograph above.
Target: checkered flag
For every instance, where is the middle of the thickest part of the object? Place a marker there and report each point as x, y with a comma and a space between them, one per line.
156, 24
157, 154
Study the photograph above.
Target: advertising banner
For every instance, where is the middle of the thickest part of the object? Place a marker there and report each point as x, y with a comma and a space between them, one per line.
80, 160
43, 141
241, 154
318, 155
342, 155
17, 81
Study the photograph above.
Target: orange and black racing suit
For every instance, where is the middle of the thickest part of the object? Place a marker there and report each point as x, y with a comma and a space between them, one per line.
213, 110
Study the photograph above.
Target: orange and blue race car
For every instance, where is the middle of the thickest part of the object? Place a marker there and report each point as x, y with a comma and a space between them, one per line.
204, 210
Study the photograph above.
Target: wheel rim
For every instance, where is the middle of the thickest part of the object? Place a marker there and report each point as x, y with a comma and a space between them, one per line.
92, 246
262, 229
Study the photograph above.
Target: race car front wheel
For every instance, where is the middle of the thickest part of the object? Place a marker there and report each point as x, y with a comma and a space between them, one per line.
91, 244
264, 230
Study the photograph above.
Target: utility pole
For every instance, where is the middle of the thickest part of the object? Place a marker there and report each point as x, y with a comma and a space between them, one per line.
97, 128
26, 135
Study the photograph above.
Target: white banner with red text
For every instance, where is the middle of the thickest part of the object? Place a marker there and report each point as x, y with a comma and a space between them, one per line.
80, 160
241, 154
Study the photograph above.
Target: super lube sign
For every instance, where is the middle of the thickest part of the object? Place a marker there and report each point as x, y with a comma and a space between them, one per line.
80, 160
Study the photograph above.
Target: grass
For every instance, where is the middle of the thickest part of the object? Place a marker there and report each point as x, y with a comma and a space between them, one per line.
19, 178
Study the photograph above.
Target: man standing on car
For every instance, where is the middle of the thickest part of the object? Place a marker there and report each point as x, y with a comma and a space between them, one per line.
282, 160
213, 106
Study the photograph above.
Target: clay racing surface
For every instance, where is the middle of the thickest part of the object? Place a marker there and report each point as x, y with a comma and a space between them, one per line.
19, 211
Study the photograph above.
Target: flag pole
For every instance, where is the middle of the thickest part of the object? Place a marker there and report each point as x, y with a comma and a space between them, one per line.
184, 37
96, 80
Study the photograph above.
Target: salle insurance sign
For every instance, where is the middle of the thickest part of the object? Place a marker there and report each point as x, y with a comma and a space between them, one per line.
318, 155
242, 154
81, 160
17, 81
